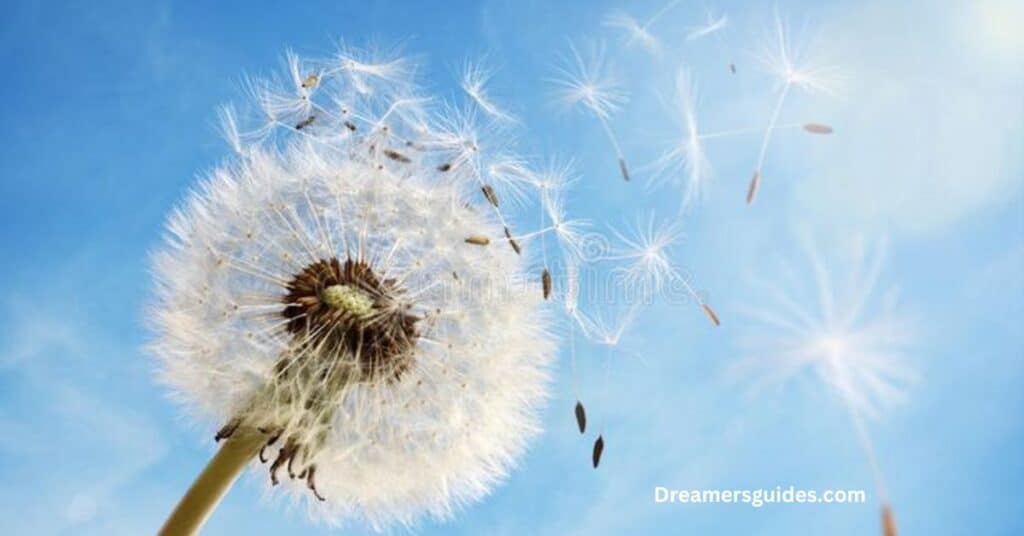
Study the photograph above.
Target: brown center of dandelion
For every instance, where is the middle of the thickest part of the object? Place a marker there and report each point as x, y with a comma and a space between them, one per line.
344, 311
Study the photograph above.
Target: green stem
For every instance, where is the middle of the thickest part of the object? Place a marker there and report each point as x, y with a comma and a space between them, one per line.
211, 485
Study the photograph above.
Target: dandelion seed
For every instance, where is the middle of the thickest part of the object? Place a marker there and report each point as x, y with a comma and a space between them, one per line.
397, 156
623, 169
712, 24
817, 128
732, 68
478, 240
306, 302
310, 81
686, 163
755, 182
475, 77
586, 82
711, 314
834, 331
635, 33
643, 254
512, 242
444, 168
581, 417
546, 283
598, 450
888, 521
488, 192
787, 62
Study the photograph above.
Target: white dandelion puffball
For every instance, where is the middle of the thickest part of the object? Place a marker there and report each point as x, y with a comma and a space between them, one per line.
342, 288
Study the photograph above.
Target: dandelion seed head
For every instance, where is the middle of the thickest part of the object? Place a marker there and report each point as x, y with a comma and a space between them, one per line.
305, 290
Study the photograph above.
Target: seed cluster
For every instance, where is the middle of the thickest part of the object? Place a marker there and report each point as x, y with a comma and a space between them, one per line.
345, 311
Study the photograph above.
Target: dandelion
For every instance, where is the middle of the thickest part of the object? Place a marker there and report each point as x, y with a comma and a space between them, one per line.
332, 300
584, 81
789, 64
837, 333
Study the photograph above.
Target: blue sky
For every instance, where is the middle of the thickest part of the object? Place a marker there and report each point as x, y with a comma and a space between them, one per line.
109, 114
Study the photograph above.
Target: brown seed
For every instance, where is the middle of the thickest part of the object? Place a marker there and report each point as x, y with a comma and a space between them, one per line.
888, 521
311, 483
581, 417
227, 430
752, 190
350, 126
545, 281
598, 450
492, 198
445, 167
477, 240
711, 314
817, 128
397, 156
305, 122
624, 169
310, 81
512, 242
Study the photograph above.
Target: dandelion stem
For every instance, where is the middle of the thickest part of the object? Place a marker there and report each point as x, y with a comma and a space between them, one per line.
211, 485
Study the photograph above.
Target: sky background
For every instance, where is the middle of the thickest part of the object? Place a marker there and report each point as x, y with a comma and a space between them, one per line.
108, 115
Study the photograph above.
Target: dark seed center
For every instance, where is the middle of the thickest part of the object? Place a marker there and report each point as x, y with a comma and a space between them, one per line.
343, 310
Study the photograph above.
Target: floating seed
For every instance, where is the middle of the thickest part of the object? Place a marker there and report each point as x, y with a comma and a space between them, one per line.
888, 521
492, 198
732, 68
349, 125
752, 190
581, 417
711, 314
445, 167
397, 156
512, 242
477, 240
545, 281
598, 450
305, 122
624, 169
817, 128
310, 81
